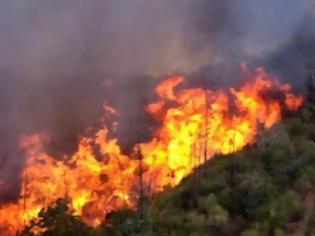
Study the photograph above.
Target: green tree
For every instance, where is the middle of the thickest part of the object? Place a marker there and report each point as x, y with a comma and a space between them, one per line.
128, 223
57, 220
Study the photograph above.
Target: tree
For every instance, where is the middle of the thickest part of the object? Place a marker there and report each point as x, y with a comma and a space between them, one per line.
126, 223
57, 220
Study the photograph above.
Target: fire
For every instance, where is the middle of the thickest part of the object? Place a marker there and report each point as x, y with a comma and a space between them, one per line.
195, 125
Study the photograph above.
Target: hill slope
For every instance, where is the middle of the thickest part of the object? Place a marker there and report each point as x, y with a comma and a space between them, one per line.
266, 189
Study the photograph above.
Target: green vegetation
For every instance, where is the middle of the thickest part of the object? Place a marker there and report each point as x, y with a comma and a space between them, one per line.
266, 189
57, 220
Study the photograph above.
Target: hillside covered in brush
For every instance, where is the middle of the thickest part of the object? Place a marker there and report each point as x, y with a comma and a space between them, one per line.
266, 189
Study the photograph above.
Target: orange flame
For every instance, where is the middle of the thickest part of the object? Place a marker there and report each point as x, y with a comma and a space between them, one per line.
97, 182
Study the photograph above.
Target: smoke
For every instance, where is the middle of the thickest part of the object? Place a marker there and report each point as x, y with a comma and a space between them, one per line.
61, 59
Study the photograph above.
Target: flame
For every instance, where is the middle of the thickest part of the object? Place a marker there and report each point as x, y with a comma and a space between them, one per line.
196, 124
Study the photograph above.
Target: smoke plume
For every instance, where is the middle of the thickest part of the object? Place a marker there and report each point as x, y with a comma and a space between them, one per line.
61, 59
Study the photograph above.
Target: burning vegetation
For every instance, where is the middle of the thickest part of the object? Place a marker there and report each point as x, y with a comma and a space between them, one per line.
195, 124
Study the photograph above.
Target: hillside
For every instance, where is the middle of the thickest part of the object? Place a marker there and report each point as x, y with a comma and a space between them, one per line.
266, 189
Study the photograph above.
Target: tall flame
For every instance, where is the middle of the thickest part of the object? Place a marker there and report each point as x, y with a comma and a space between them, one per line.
196, 124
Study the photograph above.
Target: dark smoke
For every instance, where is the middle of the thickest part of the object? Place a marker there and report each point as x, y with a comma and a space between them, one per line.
61, 59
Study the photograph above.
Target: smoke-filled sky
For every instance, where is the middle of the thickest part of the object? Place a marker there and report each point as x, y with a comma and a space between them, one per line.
61, 59
41, 37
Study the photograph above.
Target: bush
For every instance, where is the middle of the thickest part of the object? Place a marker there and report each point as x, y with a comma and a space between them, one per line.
289, 208
216, 214
57, 220
251, 232
128, 223
295, 127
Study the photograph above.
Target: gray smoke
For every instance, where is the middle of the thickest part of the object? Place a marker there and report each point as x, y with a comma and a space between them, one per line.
61, 59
